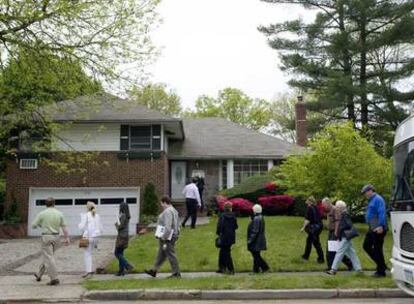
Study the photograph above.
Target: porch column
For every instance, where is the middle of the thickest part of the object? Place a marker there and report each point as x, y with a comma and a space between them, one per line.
230, 173
270, 164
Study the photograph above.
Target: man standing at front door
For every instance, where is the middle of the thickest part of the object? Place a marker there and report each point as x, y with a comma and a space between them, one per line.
192, 201
376, 219
50, 221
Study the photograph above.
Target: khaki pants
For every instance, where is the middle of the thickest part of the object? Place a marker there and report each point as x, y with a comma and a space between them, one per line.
167, 253
49, 246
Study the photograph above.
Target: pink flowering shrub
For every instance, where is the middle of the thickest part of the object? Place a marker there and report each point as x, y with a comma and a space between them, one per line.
240, 205
273, 204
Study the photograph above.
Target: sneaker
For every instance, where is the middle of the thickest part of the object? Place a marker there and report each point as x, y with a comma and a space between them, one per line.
120, 274
175, 275
379, 274
87, 275
151, 272
53, 282
331, 272
38, 278
129, 267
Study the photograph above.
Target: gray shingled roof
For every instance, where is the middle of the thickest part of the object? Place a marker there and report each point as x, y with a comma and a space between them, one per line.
104, 108
217, 138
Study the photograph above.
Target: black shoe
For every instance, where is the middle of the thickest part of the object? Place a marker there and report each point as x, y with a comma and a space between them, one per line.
320, 261
305, 258
38, 278
379, 274
175, 275
53, 282
129, 267
265, 270
183, 225
120, 274
220, 271
151, 272
231, 272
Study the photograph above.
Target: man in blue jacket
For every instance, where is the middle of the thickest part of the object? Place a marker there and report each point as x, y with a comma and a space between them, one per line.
376, 218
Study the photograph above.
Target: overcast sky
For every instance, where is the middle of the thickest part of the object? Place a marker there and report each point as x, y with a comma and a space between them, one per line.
208, 45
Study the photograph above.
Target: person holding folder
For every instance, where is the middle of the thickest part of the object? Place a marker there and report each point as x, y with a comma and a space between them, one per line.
167, 233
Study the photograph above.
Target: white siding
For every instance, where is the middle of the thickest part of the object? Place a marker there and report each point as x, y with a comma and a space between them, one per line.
90, 137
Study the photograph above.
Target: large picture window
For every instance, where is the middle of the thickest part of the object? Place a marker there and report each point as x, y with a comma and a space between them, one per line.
246, 168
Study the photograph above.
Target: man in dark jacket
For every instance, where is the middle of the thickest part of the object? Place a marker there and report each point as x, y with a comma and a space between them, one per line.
256, 239
226, 232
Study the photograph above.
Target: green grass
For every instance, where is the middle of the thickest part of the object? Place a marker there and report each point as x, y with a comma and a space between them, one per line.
196, 251
267, 281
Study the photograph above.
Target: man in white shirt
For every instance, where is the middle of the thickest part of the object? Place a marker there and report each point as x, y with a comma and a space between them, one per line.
192, 201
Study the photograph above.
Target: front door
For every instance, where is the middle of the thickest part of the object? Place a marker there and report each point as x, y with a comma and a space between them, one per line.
178, 177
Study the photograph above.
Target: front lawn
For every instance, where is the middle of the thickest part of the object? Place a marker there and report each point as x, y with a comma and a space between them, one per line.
196, 251
246, 281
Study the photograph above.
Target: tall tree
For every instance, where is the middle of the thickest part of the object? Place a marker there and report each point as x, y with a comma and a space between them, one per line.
354, 57
157, 97
105, 36
31, 81
236, 106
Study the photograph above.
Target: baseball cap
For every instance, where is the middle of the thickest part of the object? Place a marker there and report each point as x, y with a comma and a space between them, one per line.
367, 188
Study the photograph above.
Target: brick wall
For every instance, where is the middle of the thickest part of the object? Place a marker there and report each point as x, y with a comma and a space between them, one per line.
118, 173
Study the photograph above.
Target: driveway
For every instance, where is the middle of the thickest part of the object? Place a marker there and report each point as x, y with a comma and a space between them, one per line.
22, 256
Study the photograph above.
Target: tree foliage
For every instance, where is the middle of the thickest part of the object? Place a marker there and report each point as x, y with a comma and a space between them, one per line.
157, 97
104, 36
340, 161
356, 57
235, 106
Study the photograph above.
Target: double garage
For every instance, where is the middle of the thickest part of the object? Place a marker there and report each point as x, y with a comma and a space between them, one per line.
72, 203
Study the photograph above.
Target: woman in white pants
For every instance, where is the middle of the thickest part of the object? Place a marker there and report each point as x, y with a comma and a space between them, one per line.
345, 233
91, 228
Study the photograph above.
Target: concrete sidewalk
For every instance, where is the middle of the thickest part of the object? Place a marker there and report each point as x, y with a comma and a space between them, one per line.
23, 288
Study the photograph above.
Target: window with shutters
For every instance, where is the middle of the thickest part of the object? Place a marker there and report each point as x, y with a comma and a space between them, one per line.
144, 138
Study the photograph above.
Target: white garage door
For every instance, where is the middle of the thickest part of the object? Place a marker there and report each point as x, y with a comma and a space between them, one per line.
72, 202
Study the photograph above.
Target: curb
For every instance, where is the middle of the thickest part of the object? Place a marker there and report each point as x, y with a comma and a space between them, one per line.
165, 294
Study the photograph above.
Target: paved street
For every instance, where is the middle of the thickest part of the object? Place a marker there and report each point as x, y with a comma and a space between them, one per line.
329, 301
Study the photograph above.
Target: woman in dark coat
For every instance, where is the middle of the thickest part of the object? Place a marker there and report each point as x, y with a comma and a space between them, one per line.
226, 232
313, 227
122, 239
256, 240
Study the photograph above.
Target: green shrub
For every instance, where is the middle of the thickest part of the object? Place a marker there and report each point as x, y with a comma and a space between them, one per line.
12, 215
339, 162
150, 206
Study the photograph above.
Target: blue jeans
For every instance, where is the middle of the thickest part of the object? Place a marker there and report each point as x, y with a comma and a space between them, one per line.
123, 263
346, 248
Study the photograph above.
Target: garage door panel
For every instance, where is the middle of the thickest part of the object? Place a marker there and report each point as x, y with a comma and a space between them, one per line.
72, 210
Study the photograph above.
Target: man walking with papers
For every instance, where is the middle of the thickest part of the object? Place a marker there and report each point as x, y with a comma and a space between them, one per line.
167, 232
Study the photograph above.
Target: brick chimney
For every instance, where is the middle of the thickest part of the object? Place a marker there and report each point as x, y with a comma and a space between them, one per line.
301, 132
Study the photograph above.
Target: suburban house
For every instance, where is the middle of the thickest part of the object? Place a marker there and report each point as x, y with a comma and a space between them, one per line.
136, 146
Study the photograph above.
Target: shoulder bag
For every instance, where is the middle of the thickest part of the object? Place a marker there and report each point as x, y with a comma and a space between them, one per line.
84, 241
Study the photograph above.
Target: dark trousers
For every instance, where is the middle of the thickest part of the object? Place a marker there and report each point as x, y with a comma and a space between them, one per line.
373, 246
225, 260
191, 205
313, 239
330, 255
258, 262
123, 263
